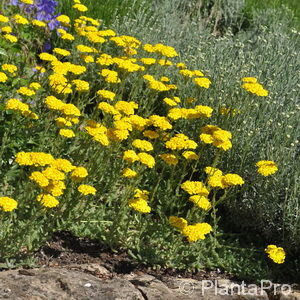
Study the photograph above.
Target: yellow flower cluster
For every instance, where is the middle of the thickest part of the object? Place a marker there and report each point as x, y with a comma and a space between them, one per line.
199, 193
198, 111
139, 201
193, 232
18, 105
158, 85
217, 179
277, 254
8, 204
129, 173
180, 142
169, 158
51, 178
216, 136
161, 49
70, 114
12, 69
266, 167
142, 157
251, 85
195, 188
23, 90
106, 94
86, 189
98, 132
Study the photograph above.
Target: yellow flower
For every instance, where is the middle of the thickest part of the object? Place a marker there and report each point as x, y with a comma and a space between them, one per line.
160, 122
177, 222
68, 133
196, 232
70, 110
68, 37
139, 205
8, 204
142, 145
110, 76
11, 38
62, 165
86, 49
277, 254
55, 188
9, 68
148, 61
106, 94
81, 85
151, 134
180, 141
129, 173
211, 171
266, 167
25, 91
47, 57
3, 77
27, 1
53, 173
126, 107
167, 51
6, 29
47, 200
220, 138
104, 60
190, 155
16, 104
80, 7
130, 156
62, 52
201, 201
87, 58
4, 19
35, 85
33, 158
232, 179
255, 88
63, 19
202, 82
54, 103
86, 189
39, 178
38, 23
20, 20
195, 188
169, 158
146, 159
79, 173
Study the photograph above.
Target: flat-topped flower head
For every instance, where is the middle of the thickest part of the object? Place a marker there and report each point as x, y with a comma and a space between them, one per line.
266, 167
277, 254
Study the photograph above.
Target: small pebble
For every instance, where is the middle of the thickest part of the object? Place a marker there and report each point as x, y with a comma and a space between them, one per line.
88, 285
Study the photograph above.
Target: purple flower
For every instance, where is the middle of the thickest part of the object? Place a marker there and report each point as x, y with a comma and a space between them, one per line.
42, 10
14, 2
47, 46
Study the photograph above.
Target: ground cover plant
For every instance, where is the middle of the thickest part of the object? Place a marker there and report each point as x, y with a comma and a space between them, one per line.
118, 138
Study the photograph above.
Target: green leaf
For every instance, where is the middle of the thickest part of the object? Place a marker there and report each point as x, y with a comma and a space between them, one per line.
3, 52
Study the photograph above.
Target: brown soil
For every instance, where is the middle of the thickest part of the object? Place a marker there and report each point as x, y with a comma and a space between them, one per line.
66, 250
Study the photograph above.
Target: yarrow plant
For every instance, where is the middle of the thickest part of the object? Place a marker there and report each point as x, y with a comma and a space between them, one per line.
105, 134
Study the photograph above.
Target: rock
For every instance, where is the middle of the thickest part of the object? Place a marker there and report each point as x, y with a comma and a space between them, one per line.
57, 283
93, 282
295, 295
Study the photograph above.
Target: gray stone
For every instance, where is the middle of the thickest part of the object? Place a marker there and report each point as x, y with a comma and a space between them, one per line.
58, 283
295, 295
